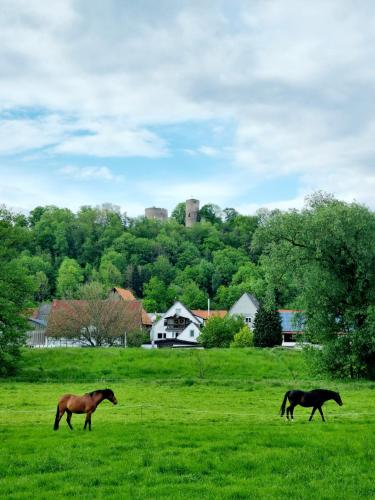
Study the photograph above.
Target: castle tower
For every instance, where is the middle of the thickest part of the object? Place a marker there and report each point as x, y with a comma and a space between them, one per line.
156, 213
191, 212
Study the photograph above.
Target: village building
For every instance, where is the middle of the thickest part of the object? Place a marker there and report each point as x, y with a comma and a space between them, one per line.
177, 327
180, 326
292, 325
36, 334
128, 296
246, 306
292, 321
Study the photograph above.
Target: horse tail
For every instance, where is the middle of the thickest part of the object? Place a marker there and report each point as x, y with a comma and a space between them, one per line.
282, 409
56, 425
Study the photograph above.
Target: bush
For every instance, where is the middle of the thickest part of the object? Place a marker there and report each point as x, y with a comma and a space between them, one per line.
244, 338
219, 332
267, 328
137, 337
350, 355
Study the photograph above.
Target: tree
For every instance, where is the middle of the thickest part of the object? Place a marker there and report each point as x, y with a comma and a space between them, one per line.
40, 269
136, 338
244, 338
219, 332
109, 269
158, 297
226, 263
16, 288
239, 231
95, 320
192, 296
178, 213
55, 231
324, 258
211, 213
267, 328
133, 280
230, 214
69, 277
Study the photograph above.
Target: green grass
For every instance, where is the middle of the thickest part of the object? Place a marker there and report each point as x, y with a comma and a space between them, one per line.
189, 424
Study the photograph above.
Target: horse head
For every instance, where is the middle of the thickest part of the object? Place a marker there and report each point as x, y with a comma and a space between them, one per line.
337, 398
109, 394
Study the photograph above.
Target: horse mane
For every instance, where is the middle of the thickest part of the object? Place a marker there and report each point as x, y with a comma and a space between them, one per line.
327, 391
100, 390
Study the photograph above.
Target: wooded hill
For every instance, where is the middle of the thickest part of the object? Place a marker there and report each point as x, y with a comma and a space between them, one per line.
320, 259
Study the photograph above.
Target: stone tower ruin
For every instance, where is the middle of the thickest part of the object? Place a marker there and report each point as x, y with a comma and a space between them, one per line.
191, 212
156, 213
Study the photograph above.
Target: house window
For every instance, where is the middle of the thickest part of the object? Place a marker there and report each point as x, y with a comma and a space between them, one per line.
160, 335
191, 333
164, 335
248, 320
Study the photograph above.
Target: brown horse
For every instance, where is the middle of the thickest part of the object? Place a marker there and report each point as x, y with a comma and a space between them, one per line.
87, 403
315, 399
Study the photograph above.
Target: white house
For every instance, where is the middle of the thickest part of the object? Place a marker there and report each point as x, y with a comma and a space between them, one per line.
178, 326
246, 306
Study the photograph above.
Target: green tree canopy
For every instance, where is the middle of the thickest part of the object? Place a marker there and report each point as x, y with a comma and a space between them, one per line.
16, 289
219, 332
267, 328
69, 278
178, 212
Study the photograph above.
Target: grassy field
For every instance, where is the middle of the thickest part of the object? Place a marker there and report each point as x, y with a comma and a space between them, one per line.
189, 424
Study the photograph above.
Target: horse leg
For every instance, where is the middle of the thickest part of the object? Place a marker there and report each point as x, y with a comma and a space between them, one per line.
321, 412
287, 412
88, 421
292, 411
59, 414
312, 413
68, 418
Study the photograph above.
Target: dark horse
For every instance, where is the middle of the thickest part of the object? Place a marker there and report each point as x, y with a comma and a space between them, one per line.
82, 404
315, 398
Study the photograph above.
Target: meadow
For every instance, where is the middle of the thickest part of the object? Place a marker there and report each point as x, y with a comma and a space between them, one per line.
189, 424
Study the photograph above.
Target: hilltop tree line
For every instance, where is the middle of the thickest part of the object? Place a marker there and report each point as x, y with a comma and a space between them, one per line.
320, 259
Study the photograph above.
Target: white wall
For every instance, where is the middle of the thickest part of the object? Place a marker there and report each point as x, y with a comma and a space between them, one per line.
244, 307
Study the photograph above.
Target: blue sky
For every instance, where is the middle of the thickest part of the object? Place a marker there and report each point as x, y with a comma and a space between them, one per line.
243, 104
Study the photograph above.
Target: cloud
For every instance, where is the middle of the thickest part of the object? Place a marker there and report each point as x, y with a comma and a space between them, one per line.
79, 136
87, 173
108, 139
209, 151
287, 87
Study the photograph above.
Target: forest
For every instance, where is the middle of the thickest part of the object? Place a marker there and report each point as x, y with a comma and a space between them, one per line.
320, 259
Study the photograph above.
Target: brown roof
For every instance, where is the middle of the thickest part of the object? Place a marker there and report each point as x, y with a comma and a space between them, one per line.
204, 314
125, 294
128, 296
146, 320
80, 310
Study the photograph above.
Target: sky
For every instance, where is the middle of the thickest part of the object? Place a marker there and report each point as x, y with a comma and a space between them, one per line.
245, 104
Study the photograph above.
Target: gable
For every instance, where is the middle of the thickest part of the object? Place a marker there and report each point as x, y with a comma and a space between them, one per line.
178, 309
246, 305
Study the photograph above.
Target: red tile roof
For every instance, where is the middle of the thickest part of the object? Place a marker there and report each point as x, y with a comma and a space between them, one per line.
204, 314
125, 294
128, 296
